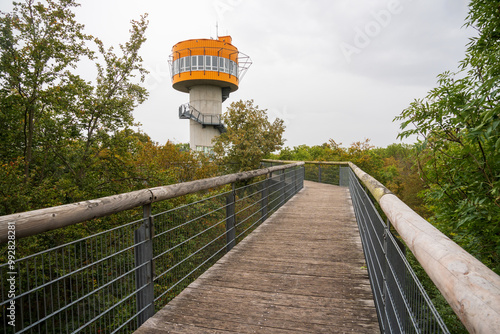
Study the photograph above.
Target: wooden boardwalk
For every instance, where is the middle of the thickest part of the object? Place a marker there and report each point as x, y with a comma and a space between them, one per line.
302, 271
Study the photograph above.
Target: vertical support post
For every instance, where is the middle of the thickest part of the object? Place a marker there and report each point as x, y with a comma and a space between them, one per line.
341, 174
230, 219
385, 273
282, 182
303, 175
319, 173
264, 202
143, 238
398, 267
295, 186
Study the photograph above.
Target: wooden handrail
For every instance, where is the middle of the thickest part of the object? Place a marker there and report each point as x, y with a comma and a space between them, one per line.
471, 288
38, 221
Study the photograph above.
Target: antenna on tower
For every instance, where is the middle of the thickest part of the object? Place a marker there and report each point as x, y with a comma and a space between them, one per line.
217, 29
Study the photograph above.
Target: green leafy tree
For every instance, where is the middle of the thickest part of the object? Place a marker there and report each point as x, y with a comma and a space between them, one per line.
250, 136
360, 153
400, 174
68, 137
95, 112
458, 126
38, 44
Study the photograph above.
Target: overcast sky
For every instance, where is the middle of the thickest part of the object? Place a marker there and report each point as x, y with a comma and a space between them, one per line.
340, 69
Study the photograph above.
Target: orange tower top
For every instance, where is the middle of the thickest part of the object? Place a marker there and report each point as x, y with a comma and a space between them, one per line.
207, 62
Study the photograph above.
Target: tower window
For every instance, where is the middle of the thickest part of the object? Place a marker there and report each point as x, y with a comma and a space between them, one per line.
194, 63
185, 61
214, 63
221, 64
200, 62
209, 63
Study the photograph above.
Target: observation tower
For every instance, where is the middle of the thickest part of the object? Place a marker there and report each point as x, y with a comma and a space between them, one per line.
207, 69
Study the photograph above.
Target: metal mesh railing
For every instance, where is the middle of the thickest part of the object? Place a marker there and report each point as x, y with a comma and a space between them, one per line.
317, 171
85, 286
322, 173
402, 304
112, 281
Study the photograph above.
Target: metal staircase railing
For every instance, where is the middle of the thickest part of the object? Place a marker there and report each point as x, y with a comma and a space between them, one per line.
187, 111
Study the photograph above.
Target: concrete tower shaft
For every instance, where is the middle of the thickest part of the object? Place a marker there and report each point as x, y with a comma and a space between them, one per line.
209, 99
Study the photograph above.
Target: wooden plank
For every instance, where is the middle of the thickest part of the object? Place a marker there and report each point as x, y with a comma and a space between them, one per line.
208, 322
301, 271
211, 292
302, 267
176, 328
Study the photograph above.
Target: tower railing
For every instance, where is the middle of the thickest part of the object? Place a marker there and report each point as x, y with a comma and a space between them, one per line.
114, 280
242, 62
470, 288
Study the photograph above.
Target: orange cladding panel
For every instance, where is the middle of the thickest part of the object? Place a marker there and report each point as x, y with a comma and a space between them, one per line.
183, 81
221, 47
194, 47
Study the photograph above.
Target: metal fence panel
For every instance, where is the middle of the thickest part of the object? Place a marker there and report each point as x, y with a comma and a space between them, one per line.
87, 285
402, 304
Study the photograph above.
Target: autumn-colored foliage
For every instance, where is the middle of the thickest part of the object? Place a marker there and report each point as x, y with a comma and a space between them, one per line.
393, 166
250, 136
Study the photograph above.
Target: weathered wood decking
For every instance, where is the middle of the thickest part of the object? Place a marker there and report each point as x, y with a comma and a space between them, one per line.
302, 271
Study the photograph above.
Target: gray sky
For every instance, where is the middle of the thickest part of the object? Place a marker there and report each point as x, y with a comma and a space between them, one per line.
340, 69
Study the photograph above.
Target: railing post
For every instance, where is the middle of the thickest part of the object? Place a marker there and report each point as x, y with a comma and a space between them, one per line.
282, 192
319, 173
265, 198
230, 219
295, 181
384, 278
143, 238
303, 174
